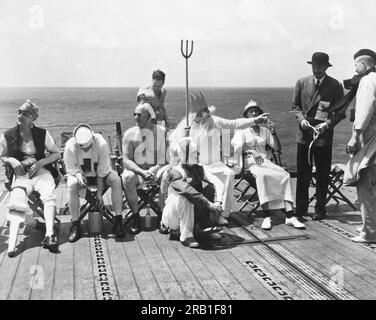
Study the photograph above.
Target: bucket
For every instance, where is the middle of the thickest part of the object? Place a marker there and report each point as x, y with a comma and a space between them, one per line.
95, 222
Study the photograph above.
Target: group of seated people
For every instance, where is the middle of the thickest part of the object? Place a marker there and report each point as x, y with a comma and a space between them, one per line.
196, 186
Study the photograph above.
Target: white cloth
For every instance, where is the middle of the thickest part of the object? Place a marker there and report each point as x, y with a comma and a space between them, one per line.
365, 120
97, 158
178, 212
274, 185
43, 183
365, 111
223, 179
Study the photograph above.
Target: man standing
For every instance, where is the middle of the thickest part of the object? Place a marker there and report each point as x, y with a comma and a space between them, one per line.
312, 97
155, 95
364, 138
144, 152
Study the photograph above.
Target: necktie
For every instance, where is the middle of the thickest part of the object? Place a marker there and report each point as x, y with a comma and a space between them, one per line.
317, 84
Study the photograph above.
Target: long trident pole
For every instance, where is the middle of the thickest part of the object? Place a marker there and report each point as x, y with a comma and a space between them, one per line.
186, 54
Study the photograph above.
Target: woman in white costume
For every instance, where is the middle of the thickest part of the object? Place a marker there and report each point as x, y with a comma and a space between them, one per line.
273, 182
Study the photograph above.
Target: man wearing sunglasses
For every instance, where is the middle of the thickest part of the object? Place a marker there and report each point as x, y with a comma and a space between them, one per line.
144, 154
87, 159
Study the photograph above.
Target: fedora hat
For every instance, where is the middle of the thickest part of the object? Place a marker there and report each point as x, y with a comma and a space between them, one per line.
83, 135
251, 104
321, 59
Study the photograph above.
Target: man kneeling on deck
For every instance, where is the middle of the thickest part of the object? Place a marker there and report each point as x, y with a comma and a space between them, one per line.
87, 161
189, 208
144, 155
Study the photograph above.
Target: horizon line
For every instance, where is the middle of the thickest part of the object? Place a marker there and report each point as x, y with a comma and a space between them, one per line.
127, 87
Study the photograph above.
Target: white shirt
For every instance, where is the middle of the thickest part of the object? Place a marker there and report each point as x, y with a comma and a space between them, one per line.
365, 111
95, 161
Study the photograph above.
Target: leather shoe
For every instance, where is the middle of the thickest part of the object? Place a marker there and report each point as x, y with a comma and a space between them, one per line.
75, 232
118, 229
11, 254
135, 224
163, 229
49, 241
318, 216
191, 243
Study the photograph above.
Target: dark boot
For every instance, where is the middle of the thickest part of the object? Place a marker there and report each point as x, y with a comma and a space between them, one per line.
118, 229
75, 231
135, 224
50, 242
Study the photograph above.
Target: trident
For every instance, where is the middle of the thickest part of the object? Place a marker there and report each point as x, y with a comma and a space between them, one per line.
186, 55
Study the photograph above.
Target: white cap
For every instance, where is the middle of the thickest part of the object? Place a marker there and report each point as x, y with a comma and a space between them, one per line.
83, 135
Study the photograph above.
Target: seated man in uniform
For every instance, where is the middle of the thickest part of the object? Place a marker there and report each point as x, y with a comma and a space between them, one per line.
144, 154
87, 161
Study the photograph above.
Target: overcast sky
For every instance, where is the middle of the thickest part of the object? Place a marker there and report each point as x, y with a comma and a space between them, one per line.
249, 43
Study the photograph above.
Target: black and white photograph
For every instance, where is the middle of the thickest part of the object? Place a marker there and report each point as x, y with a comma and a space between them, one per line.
187, 155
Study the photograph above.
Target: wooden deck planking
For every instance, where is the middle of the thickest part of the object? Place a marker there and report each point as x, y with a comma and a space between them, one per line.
240, 272
209, 283
23, 280
150, 266
144, 277
45, 273
167, 282
251, 252
324, 257
64, 284
187, 280
313, 255
125, 282
84, 288
225, 279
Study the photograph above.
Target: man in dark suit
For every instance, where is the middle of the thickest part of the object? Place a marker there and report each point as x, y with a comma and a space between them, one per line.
312, 97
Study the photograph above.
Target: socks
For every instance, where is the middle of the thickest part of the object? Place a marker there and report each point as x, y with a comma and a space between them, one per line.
118, 219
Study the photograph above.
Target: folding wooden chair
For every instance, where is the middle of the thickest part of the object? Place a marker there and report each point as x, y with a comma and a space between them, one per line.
90, 204
335, 183
34, 201
249, 180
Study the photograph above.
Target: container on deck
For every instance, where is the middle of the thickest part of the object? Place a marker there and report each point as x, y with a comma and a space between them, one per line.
95, 222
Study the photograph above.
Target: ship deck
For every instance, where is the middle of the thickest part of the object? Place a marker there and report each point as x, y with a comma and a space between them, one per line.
248, 263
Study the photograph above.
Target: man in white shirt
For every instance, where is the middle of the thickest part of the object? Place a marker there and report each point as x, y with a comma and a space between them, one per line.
87, 161
364, 131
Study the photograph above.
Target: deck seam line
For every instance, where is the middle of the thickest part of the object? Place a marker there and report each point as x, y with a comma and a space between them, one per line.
203, 288
151, 270
168, 266
131, 268
178, 281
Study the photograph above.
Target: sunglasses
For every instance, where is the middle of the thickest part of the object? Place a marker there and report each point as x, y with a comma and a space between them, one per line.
25, 113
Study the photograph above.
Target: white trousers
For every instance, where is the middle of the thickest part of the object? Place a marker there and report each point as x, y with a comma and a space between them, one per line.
178, 213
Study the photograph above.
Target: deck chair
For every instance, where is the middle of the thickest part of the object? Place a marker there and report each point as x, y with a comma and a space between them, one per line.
34, 201
247, 179
90, 204
335, 183
147, 195
35, 204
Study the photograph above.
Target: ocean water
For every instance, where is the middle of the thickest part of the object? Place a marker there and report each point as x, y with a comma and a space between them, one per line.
61, 109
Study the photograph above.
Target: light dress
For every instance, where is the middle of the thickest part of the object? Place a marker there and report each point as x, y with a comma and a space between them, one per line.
274, 186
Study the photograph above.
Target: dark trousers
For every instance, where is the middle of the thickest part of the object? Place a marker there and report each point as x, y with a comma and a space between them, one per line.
202, 215
322, 157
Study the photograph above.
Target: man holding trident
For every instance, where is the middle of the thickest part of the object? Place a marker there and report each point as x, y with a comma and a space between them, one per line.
206, 131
